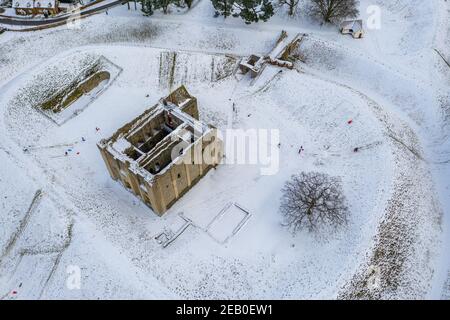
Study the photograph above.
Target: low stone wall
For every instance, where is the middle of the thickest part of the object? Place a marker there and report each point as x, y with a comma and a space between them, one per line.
85, 87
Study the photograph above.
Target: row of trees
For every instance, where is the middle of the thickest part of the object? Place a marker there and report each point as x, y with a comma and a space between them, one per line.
149, 6
329, 11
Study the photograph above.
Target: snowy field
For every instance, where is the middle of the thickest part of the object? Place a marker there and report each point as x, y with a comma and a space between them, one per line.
61, 213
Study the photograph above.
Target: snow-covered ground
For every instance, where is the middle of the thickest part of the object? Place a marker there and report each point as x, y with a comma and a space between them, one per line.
64, 213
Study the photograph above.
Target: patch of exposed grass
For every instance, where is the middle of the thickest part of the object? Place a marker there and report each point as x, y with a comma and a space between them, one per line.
54, 82
84, 83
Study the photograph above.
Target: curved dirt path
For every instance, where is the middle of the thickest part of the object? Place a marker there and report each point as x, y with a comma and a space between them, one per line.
400, 246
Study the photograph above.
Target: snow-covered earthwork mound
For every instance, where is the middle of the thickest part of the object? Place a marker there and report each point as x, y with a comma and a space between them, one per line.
61, 90
261, 259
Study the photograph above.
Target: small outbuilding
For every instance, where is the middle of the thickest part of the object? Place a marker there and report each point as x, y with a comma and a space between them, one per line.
34, 7
278, 56
353, 27
254, 64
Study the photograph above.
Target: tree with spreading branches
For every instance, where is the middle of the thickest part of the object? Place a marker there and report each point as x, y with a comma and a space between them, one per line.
291, 4
334, 11
312, 199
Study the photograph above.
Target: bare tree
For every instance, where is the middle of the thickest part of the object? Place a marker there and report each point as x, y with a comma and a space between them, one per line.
311, 199
332, 11
291, 4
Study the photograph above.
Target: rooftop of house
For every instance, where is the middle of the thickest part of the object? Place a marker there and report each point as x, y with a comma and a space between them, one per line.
29, 4
355, 25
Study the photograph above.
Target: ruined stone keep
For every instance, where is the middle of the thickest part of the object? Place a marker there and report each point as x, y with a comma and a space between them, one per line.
164, 152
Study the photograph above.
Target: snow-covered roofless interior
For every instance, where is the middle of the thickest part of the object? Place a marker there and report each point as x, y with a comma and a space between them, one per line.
162, 153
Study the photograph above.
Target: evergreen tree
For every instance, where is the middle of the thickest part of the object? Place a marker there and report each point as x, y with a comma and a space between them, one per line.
249, 10
255, 10
164, 4
147, 7
223, 7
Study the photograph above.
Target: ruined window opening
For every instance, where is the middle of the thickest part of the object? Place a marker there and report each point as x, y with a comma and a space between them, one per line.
133, 153
126, 184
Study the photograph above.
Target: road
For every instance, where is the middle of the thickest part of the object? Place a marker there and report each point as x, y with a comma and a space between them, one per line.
44, 22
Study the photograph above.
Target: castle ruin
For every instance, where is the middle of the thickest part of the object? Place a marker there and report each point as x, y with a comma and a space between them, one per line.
164, 152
